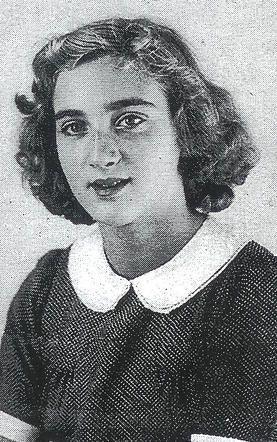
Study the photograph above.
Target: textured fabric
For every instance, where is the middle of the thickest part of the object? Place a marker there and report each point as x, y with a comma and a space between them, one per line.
131, 374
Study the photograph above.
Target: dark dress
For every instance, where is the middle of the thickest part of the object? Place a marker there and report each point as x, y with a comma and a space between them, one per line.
208, 366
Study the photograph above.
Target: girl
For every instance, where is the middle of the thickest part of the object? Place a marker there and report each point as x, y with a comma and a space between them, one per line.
159, 326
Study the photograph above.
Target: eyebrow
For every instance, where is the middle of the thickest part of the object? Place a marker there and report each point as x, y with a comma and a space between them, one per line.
69, 113
133, 101
114, 105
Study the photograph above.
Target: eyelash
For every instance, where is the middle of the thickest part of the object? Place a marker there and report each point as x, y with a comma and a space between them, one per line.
82, 127
133, 116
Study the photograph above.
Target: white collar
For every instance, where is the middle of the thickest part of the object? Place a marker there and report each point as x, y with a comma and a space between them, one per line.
163, 289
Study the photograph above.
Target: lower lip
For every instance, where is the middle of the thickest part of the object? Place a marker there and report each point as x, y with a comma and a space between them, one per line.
110, 192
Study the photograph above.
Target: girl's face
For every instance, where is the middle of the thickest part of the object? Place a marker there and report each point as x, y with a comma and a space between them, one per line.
116, 143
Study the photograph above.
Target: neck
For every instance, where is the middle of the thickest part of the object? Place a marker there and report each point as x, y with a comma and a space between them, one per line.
139, 247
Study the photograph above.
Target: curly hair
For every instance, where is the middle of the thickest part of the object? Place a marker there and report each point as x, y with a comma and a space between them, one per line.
216, 153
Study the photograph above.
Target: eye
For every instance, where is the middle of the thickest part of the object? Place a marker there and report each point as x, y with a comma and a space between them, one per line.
74, 128
129, 121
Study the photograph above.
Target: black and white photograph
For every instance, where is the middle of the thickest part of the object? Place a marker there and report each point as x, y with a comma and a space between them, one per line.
138, 221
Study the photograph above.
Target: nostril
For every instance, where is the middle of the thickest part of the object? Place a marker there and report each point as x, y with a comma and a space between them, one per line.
104, 157
102, 164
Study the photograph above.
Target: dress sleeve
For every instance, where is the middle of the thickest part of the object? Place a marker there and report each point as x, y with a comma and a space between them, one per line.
20, 366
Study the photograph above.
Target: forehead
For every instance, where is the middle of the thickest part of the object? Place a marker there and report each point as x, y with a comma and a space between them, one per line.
94, 84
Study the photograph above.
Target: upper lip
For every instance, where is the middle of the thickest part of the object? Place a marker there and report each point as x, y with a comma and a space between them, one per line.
108, 182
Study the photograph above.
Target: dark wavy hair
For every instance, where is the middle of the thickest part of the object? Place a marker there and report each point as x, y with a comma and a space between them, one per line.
216, 151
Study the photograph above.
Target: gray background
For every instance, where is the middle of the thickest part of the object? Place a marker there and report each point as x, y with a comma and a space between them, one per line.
235, 42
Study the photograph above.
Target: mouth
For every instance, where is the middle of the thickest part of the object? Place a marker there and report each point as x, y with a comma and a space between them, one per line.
109, 187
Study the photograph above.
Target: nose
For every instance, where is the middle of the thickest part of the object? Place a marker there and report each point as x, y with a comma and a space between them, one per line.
104, 153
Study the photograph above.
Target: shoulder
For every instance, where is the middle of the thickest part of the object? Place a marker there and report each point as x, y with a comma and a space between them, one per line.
257, 254
257, 283
246, 295
255, 267
34, 291
44, 269
241, 307
242, 297
40, 278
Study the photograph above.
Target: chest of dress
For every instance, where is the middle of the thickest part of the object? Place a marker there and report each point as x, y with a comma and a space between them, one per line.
132, 374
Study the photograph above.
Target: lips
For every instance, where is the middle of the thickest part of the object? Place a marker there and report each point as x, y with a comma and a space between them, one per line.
109, 187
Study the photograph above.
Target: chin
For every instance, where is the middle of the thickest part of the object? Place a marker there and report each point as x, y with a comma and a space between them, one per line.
113, 218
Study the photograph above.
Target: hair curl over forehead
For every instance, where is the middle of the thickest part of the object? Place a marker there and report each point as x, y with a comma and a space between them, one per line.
216, 151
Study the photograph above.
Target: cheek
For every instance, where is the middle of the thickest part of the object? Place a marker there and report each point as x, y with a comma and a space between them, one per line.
160, 152
71, 158
67, 166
